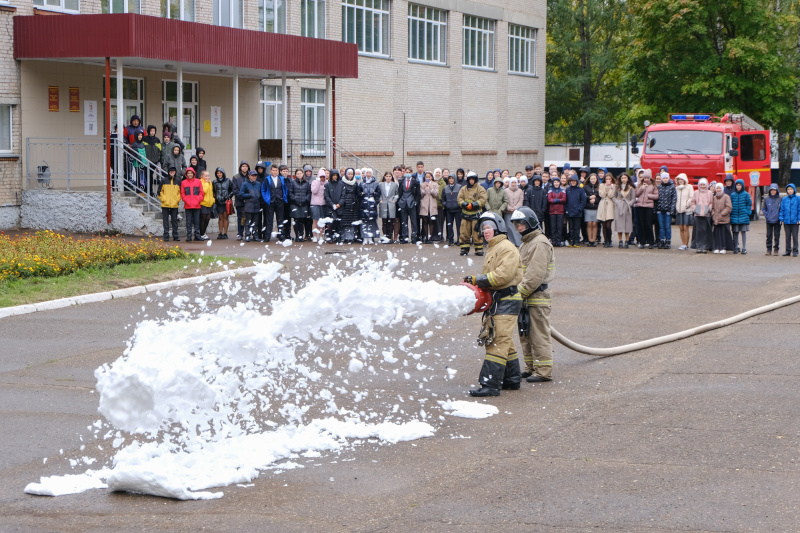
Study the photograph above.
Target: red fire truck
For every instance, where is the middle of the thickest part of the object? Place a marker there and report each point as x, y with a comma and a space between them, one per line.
702, 145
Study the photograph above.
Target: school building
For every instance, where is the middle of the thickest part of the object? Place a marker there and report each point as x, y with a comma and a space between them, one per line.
455, 83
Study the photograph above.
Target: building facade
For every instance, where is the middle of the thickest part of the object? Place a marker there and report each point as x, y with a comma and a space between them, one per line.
455, 83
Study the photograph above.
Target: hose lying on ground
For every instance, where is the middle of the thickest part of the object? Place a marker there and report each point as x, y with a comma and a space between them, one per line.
641, 345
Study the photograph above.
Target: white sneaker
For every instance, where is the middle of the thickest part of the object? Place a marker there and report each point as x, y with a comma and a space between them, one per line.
722, 252
716, 251
682, 247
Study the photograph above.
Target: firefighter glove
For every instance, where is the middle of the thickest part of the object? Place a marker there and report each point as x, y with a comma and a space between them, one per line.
470, 279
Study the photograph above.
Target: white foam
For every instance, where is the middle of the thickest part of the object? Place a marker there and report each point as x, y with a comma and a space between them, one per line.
469, 409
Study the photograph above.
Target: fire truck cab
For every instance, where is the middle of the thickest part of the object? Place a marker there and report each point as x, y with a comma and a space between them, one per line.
702, 145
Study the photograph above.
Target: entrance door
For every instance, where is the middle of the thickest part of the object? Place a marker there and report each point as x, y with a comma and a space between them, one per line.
190, 110
132, 100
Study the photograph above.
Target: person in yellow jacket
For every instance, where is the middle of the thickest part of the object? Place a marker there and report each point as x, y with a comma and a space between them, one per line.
502, 272
539, 269
471, 198
169, 192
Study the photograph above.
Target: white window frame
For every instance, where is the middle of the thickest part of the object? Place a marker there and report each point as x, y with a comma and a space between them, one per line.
277, 103
522, 49
279, 15
311, 11
57, 5
187, 12
367, 13
425, 19
126, 102
315, 146
108, 6
232, 9
10, 129
478, 47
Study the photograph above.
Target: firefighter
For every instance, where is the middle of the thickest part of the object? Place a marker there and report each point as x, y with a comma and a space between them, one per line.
502, 272
539, 269
471, 198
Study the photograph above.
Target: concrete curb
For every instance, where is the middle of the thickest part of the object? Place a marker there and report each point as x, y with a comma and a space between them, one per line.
119, 293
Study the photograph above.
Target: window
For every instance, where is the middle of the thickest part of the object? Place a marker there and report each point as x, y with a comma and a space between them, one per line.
312, 125
122, 6
178, 9
312, 18
753, 147
272, 112
229, 13
366, 23
5, 128
684, 142
521, 49
189, 114
427, 34
66, 5
132, 99
272, 16
478, 42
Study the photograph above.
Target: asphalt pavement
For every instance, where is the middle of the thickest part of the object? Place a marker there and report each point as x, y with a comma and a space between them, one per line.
699, 435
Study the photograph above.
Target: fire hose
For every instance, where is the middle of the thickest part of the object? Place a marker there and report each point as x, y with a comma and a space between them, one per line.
482, 295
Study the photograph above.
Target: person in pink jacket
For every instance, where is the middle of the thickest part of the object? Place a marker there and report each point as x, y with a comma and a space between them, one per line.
192, 196
318, 207
701, 207
646, 195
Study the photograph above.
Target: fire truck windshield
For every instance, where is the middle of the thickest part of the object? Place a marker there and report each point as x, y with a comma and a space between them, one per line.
684, 142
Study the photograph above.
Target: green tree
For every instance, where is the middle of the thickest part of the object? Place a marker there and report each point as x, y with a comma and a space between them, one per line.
585, 44
728, 55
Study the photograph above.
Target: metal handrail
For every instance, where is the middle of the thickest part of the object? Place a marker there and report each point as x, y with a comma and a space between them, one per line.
146, 193
360, 163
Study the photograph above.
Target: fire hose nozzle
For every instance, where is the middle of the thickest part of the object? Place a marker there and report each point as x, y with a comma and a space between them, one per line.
483, 298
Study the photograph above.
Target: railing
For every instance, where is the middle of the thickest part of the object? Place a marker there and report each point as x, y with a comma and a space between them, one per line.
301, 152
349, 159
79, 165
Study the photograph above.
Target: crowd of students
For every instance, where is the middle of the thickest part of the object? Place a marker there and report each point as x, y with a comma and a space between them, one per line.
575, 207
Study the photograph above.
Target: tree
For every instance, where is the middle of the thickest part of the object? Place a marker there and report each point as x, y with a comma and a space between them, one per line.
731, 55
585, 42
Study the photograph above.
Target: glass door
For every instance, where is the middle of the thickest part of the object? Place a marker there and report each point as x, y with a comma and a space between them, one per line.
189, 113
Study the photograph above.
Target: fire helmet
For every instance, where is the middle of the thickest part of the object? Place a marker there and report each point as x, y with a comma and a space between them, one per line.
525, 215
495, 221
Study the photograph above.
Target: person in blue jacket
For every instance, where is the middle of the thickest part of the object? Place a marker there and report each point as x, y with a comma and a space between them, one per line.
771, 213
740, 215
576, 201
250, 193
275, 192
790, 216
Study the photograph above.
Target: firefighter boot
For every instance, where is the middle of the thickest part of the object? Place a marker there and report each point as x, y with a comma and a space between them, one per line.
512, 377
490, 378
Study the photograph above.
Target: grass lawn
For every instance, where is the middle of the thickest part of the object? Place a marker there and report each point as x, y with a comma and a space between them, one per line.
87, 281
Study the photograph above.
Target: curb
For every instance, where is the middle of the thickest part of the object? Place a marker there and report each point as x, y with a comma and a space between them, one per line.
118, 293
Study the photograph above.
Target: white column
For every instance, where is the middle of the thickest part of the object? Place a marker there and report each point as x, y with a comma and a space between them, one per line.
179, 118
120, 124
328, 123
283, 108
235, 123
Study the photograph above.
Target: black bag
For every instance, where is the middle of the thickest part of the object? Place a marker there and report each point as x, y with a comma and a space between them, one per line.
524, 322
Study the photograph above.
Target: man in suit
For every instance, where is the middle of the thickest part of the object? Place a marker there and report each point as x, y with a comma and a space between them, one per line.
419, 175
407, 205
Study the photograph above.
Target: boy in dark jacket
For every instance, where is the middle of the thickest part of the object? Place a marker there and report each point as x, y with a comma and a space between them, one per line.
275, 192
576, 201
665, 208
452, 209
223, 191
556, 199
771, 212
192, 196
536, 197
250, 193
201, 161
238, 180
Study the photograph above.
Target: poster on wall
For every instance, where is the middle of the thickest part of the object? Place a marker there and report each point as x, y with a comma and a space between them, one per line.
52, 98
90, 117
216, 121
74, 100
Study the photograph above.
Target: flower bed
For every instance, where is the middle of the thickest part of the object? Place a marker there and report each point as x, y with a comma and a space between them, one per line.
50, 254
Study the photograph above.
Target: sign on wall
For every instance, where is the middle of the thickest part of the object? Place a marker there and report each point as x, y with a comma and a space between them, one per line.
74, 100
216, 121
90, 117
52, 98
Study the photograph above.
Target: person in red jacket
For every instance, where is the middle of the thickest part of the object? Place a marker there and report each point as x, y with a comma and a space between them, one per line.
556, 199
192, 196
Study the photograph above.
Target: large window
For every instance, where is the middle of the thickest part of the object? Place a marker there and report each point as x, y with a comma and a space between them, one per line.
5, 128
312, 18
272, 16
132, 99
122, 6
427, 34
478, 42
366, 23
521, 49
272, 112
188, 115
683, 142
753, 147
66, 5
312, 125
229, 13
178, 9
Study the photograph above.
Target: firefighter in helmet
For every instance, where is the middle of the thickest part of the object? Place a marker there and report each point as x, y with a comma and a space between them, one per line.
471, 198
539, 269
502, 272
